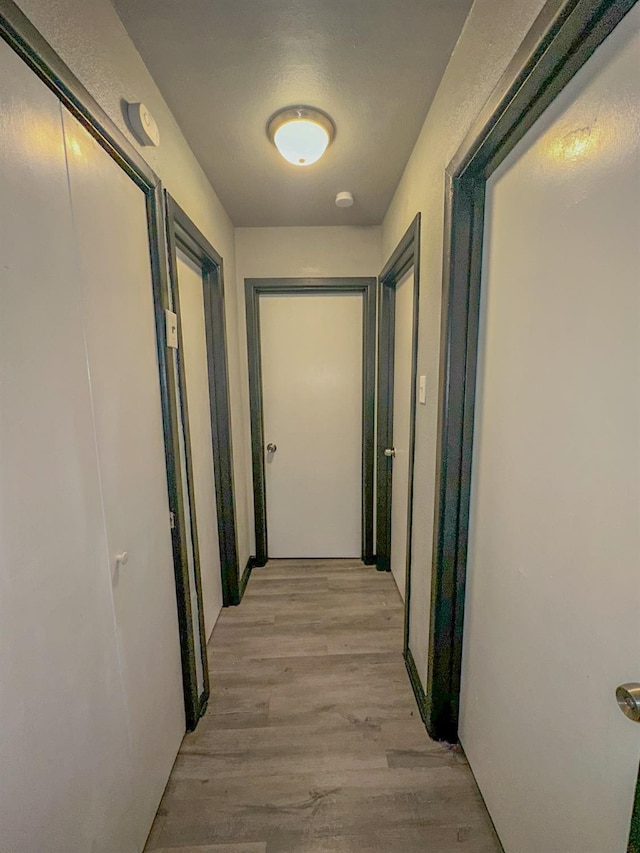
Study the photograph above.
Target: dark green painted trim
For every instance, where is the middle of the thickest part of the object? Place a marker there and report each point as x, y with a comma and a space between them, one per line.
561, 40
254, 287
23, 37
183, 234
416, 684
405, 256
384, 437
634, 834
244, 580
172, 416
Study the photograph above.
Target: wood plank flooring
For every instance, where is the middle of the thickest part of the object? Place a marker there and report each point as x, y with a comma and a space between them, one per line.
312, 742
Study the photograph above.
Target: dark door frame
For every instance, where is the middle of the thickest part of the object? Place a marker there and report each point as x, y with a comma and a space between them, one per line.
184, 235
405, 256
24, 38
563, 37
254, 288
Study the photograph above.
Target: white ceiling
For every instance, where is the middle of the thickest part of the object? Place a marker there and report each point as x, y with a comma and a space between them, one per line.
225, 66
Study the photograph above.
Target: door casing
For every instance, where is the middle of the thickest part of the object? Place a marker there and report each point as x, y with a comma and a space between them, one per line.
184, 235
254, 287
405, 256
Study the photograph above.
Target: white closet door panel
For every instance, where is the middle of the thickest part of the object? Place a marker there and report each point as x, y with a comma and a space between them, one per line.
311, 349
194, 354
110, 221
64, 779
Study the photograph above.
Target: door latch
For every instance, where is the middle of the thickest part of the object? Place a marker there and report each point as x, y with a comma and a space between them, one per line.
628, 696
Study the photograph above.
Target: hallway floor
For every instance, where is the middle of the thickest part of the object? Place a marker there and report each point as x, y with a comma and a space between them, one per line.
312, 742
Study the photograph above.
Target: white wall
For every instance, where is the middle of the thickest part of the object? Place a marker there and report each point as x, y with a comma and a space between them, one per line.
490, 38
91, 39
289, 253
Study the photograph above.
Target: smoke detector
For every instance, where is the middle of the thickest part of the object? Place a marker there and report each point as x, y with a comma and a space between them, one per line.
344, 199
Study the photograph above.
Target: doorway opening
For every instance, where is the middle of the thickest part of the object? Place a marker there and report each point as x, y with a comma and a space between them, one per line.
316, 319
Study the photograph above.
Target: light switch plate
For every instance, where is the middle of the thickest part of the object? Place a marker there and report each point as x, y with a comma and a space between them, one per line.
422, 391
171, 328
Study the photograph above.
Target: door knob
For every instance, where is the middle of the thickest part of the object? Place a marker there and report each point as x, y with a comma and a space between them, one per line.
390, 451
271, 447
628, 696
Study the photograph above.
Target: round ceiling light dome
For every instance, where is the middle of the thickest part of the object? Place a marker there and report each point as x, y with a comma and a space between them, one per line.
301, 134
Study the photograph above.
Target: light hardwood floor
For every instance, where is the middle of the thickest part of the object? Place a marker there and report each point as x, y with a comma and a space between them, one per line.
312, 742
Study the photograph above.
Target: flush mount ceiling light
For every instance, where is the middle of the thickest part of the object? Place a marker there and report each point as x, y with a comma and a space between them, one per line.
301, 134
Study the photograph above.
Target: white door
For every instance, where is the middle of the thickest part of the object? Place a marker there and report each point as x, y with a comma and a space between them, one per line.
311, 351
111, 231
194, 353
65, 782
402, 389
553, 599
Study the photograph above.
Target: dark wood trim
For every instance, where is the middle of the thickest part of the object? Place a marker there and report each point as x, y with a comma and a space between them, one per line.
246, 574
172, 416
634, 833
384, 436
254, 287
183, 234
416, 684
561, 40
405, 256
24, 38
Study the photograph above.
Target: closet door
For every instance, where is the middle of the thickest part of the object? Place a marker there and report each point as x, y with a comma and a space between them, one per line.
109, 213
64, 780
553, 586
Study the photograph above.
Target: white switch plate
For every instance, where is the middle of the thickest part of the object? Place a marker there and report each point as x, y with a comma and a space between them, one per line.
422, 391
171, 328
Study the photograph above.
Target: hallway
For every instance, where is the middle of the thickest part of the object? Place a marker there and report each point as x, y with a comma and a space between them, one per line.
312, 742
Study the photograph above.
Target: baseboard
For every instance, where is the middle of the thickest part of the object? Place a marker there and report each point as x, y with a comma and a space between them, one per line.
416, 685
244, 580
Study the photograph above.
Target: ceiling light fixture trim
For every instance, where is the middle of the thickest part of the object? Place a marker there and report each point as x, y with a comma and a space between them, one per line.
301, 134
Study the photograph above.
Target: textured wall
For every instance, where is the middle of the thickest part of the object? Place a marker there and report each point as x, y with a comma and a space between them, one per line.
296, 252
91, 39
491, 36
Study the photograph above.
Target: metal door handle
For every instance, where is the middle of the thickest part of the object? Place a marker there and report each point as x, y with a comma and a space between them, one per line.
390, 451
628, 696
271, 447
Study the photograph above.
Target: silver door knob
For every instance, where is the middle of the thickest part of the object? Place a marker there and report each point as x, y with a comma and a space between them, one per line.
271, 447
390, 451
628, 696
